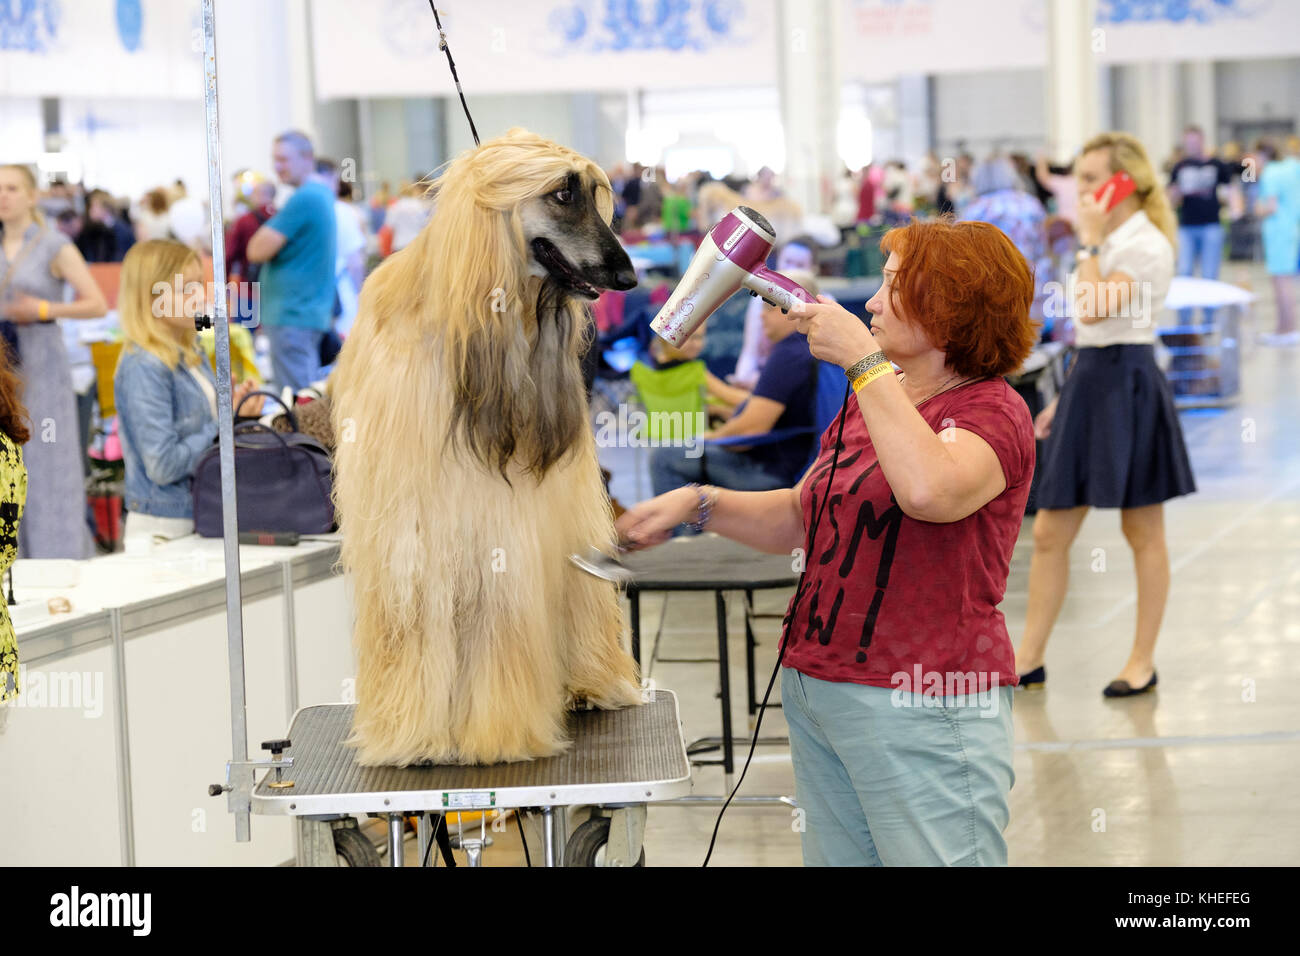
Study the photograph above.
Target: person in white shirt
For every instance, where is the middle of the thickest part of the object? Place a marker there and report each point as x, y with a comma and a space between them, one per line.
1112, 438
349, 248
407, 216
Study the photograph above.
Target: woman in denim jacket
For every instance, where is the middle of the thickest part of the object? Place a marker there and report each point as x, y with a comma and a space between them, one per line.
166, 395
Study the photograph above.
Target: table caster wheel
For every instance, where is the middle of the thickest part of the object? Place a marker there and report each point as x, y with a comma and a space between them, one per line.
586, 846
354, 849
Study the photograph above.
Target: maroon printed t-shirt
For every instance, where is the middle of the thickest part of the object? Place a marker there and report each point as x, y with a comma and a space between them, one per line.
887, 595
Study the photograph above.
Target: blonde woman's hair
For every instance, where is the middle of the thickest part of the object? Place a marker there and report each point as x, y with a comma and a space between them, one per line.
30, 178
150, 281
1128, 155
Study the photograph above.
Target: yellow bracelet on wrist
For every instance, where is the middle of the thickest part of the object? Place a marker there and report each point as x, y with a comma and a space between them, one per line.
869, 376
43, 311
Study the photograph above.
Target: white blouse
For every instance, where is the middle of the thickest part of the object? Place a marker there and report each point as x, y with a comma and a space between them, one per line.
1139, 250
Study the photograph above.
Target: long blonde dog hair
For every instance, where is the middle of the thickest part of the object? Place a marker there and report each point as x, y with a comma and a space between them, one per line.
516, 397
462, 369
1127, 154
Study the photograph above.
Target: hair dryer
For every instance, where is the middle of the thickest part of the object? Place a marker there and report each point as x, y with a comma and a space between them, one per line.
732, 255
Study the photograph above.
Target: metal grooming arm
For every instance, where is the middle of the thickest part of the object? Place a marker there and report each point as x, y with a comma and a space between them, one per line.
239, 771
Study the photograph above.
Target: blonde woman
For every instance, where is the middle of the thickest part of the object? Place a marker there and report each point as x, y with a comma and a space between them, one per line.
37, 263
1112, 438
165, 391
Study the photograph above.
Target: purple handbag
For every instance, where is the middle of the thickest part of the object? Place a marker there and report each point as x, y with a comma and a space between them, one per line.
282, 481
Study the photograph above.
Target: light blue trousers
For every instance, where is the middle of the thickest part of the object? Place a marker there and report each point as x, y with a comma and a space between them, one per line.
885, 780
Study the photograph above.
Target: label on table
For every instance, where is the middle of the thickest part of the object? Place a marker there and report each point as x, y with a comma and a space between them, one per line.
469, 799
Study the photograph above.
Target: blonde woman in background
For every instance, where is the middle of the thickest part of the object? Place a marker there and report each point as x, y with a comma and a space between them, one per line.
37, 263
1112, 437
165, 390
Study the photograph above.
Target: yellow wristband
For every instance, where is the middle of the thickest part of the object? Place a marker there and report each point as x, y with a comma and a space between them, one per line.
869, 376
43, 310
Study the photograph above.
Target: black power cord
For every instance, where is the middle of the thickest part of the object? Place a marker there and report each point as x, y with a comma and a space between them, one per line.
788, 621
519, 820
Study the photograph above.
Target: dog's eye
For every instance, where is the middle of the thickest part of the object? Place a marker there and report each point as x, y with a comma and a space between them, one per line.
565, 196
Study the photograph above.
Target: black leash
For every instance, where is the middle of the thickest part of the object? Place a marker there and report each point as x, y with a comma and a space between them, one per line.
786, 624
442, 45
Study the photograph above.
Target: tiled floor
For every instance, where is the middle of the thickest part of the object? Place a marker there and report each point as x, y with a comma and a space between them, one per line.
1202, 772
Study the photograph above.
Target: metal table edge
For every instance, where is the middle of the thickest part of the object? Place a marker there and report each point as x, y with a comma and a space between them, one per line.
660, 790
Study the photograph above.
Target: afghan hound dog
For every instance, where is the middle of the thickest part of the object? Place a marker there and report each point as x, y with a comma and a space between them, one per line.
466, 469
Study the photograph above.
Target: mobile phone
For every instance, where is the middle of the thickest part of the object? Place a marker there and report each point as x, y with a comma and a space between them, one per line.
1124, 187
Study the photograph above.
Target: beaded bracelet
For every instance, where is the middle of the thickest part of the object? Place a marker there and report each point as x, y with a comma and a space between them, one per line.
865, 364
871, 375
705, 509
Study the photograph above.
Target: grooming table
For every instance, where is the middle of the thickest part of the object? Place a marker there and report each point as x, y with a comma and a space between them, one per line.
620, 760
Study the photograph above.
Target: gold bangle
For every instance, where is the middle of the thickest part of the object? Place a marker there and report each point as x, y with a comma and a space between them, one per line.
869, 376
43, 310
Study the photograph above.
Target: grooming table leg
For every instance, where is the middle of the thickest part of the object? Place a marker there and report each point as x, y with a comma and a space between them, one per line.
626, 835
724, 669
423, 837
750, 701
555, 833
316, 842
396, 840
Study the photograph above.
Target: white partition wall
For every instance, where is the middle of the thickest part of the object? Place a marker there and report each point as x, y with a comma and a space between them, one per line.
124, 719
59, 754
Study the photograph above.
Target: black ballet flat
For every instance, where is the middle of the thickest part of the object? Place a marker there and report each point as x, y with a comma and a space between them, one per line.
1122, 688
1035, 678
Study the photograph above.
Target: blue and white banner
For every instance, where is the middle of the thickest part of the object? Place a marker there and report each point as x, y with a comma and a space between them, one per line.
883, 39
390, 47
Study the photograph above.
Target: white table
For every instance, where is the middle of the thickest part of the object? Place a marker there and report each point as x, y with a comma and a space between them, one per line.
124, 718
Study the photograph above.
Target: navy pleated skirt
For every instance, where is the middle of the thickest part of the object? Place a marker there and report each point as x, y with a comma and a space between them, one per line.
1115, 441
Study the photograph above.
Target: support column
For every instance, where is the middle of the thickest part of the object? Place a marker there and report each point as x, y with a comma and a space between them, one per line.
1156, 123
1200, 109
263, 91
1073, 47
808, 76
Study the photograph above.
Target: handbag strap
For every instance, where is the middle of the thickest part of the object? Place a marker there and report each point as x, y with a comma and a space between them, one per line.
293, 419
302, 439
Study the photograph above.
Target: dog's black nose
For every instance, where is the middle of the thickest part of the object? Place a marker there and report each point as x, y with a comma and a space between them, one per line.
624, 279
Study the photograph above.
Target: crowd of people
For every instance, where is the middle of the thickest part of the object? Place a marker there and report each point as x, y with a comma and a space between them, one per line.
306, 257
295, 269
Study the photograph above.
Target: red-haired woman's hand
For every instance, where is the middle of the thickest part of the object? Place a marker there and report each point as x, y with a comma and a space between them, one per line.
834, 333
652, 522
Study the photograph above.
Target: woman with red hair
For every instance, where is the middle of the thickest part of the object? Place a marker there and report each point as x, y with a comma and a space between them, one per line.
897, 666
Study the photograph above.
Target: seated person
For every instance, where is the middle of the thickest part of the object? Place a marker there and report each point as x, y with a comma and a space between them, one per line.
782, 398
165, 392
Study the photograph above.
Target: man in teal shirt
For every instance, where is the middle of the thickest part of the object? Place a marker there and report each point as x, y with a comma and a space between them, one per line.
296, 282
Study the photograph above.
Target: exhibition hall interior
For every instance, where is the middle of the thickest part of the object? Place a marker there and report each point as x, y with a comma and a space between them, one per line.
749, 433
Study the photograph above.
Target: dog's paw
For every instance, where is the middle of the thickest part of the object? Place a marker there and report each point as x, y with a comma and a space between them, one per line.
614, 697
